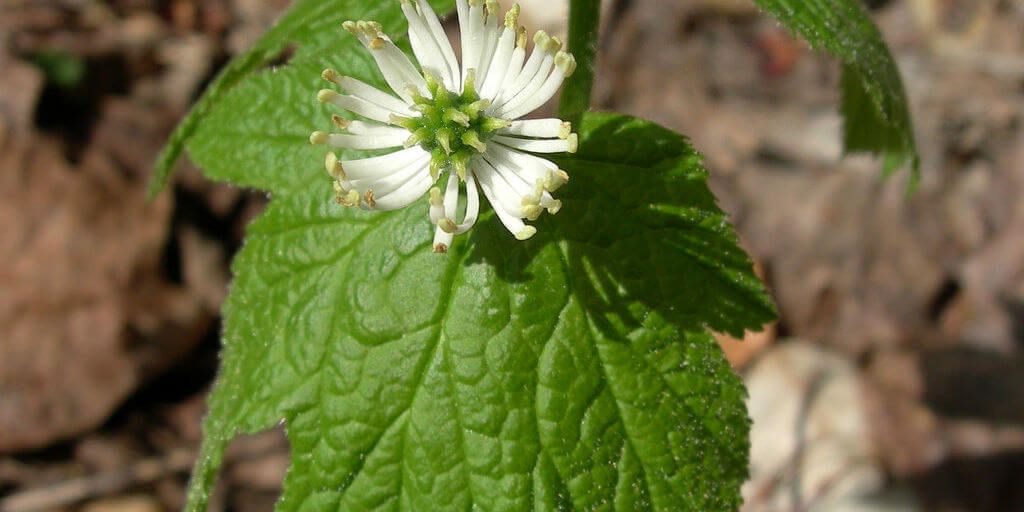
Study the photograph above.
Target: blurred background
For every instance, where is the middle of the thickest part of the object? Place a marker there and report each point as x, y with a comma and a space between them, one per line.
893, 381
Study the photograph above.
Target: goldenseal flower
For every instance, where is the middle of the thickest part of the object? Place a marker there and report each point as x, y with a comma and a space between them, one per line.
456, 119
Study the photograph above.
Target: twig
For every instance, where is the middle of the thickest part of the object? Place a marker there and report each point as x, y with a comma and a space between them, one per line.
77, 489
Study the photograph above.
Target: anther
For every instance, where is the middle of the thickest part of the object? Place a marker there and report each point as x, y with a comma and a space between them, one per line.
492, 7
532, 212
349, 198
333, 166
526, 233
318, 137
436, 198
447, 225
566, 63
541, 39
555, 180
565, 131
553, 45
330, 75
326, 96
340, 122
512, 17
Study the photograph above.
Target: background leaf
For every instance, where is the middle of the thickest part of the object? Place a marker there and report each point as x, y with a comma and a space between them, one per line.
874, 104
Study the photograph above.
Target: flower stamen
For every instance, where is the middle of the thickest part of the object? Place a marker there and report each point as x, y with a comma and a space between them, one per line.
459, 119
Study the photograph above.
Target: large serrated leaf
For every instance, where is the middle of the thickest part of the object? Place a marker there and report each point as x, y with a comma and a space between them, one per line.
572, 371
874, 104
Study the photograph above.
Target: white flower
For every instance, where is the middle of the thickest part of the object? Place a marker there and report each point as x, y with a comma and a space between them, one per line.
461, 120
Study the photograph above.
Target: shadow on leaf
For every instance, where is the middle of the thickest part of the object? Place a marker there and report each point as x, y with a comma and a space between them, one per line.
639, 228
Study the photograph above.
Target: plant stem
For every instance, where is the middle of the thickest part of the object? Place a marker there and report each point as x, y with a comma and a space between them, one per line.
584, 17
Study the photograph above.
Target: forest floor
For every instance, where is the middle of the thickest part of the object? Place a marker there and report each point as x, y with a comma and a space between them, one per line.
894, 379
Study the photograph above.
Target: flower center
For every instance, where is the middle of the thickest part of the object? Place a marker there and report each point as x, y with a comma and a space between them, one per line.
451, 127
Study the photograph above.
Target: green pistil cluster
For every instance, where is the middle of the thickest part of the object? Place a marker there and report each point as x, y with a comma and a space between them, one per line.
452, 127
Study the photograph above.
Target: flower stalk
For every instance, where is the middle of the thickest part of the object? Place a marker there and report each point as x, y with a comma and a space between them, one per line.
584, 22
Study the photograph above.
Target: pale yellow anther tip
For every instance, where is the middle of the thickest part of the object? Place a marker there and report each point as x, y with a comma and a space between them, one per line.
555, 180
340, 122
574, 143
329, 75
349, 198
521, 37
512, 17
553, 45
447, 225
436, 199
565, 130
541, 39
569, 67
350, 26
566, 62
526, 233
333, 166
555, 207
318, 138
532, 212
326, 96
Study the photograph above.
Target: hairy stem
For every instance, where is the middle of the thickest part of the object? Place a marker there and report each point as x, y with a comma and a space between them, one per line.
584, 17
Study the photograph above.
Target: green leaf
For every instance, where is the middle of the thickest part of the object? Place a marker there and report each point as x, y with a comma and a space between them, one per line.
572, 371
874, 104
307, 34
